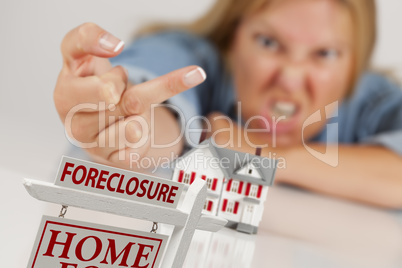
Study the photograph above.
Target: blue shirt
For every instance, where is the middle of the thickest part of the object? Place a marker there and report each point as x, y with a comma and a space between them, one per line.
372, 115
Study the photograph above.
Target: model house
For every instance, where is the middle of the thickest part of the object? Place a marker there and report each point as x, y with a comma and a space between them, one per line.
237, 182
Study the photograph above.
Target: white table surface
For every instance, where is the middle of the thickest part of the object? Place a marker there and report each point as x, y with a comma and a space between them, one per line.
299, 229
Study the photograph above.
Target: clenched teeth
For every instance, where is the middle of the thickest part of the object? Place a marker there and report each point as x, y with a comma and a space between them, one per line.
282, 108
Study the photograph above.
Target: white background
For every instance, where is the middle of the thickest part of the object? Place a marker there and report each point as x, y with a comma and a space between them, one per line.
32, 137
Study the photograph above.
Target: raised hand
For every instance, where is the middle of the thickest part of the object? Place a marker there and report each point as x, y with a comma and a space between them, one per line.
107, 115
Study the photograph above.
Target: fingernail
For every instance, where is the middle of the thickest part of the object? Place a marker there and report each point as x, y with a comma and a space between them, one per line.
110, 42
109, 91
195, 77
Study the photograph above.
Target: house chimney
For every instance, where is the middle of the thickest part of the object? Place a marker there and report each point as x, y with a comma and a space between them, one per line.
203, 136
258, 151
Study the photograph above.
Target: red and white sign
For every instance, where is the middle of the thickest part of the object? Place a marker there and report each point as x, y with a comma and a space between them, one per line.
62, 243
101, 179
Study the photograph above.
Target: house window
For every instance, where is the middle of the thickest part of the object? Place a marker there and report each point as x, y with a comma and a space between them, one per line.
230, 206
253, 190
235, 186
186, 179
209, 183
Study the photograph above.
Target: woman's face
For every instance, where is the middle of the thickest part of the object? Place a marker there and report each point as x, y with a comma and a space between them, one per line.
290, 60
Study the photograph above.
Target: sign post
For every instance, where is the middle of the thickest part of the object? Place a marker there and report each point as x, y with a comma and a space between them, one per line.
102, 188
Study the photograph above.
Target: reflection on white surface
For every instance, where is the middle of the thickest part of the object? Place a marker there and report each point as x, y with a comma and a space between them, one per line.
299, 229
226, 248
365, 236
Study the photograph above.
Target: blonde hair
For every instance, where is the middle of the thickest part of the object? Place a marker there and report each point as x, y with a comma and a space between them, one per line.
220, 22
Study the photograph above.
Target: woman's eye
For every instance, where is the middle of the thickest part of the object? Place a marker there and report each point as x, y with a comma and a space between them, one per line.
267, 42
328, 54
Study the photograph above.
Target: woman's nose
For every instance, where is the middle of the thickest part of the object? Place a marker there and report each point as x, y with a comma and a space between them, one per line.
292, 76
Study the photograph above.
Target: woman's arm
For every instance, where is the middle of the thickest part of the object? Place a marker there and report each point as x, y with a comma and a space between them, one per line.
368, 174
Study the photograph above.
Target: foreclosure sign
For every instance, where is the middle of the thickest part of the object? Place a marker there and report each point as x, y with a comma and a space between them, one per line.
101, 179
62, 243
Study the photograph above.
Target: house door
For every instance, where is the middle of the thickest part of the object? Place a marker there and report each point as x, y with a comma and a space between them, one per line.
248, 214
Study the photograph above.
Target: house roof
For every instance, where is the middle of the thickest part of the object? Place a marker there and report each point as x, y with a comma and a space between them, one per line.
231, 161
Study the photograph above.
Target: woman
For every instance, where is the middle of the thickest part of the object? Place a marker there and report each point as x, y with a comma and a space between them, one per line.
284, 61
